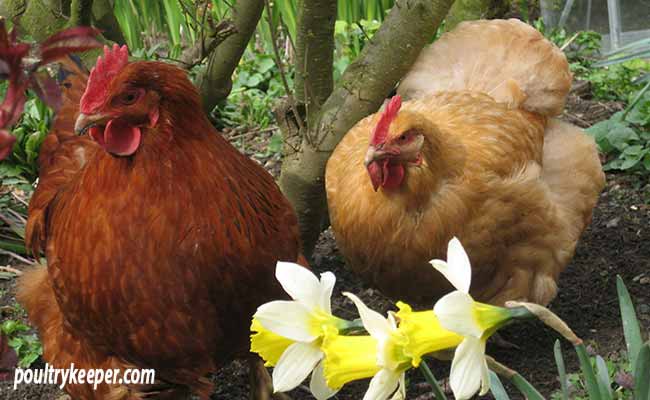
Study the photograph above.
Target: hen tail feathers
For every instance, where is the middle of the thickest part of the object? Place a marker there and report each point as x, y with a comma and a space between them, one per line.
506, 59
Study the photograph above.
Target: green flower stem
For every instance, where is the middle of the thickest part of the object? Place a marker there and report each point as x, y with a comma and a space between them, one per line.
521, 313
428, 375
351, 328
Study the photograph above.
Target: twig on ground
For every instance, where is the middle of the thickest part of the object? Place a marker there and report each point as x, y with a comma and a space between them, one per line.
17, 257
12, 270
254, 131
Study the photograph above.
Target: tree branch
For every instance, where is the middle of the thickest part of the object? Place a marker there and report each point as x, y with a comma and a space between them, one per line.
362, 89
215, 84
315, 54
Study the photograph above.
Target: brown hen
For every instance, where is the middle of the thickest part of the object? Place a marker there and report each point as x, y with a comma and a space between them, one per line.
161, 239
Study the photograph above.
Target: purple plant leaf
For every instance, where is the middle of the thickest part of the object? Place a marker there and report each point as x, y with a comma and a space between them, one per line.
47, 89
71, 40
13, 104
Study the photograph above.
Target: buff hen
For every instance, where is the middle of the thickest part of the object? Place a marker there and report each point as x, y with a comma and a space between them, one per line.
475, 151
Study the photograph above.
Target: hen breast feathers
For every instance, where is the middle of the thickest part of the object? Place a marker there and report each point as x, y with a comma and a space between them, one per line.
516, 186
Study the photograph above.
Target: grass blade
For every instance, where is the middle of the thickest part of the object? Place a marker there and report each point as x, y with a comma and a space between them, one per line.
641, 381
496, 387
561, 369
630, 322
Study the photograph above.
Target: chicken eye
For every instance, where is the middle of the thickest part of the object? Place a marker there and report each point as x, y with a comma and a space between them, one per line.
403, 138
129, 98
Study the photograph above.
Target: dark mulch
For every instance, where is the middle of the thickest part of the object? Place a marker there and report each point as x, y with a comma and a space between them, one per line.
616, 243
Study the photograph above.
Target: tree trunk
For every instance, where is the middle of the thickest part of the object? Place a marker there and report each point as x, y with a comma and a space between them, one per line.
215, 84
469, 10
365, 84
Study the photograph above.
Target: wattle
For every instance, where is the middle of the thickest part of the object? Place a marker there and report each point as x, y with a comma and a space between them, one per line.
118, 137
393, 175
386, 174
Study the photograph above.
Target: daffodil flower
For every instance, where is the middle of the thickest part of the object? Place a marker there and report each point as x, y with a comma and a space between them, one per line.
458, 312
390, 356
288, 334
390, 350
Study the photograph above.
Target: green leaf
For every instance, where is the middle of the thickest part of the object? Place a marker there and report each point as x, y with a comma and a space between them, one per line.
620, 136
496, 387
265, 64
631, 327
646, 162
641, 374
630, 162
561, 369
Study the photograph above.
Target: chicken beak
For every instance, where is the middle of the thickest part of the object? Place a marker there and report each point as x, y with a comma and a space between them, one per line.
370, 156
85, 122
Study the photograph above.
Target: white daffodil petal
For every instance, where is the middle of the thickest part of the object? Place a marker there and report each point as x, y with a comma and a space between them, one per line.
400, 394
327, 281
318, 385
376, 325
382, 385
459, 261
297, 361
286, 318
300, 283
455, 311
485, 375
457, 269
465, 375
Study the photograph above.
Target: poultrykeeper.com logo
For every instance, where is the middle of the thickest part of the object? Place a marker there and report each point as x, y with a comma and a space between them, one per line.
75, 376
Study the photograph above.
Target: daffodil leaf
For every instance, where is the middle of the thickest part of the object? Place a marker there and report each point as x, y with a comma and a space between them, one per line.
561, 369
641, 385
498, 391
631, 328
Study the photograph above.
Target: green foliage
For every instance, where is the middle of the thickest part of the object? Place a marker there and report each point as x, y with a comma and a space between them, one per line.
25, 344
164, 22
625, 137
615, 82
256, 86
21, 168
350, 38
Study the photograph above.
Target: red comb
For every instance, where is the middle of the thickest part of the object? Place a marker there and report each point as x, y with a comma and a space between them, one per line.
390, 112
101, 76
